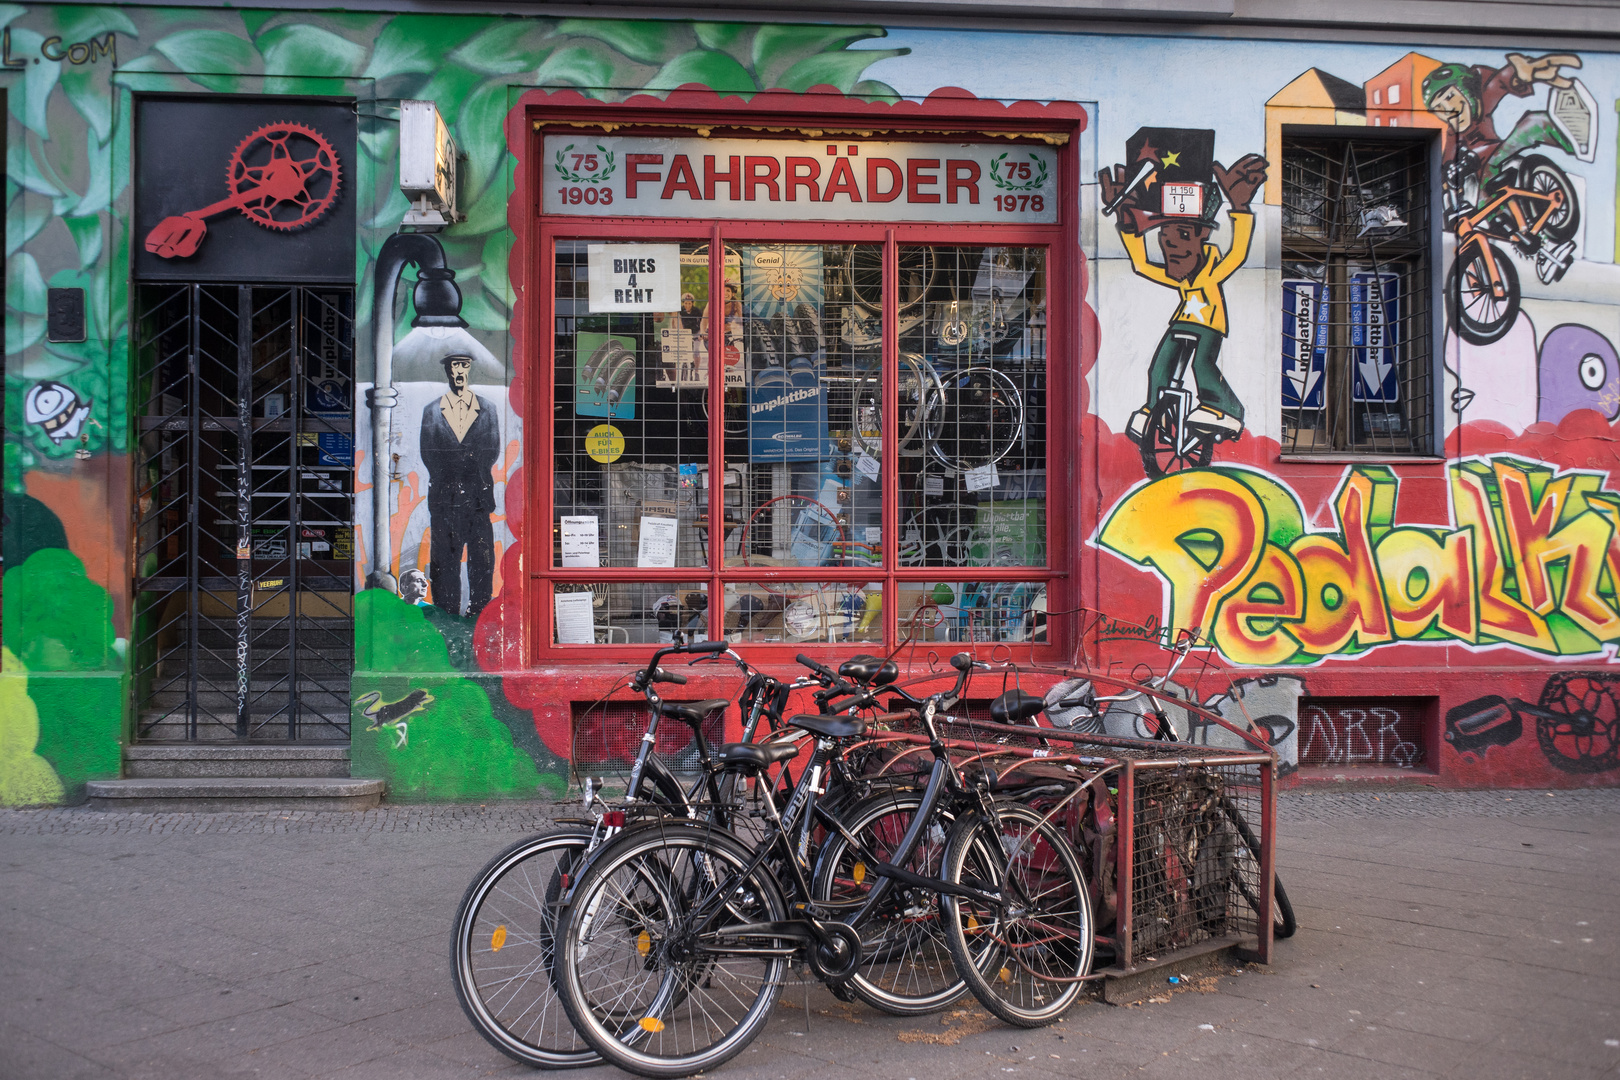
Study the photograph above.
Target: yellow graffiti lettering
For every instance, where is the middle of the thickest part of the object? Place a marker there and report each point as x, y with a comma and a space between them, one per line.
1531, 559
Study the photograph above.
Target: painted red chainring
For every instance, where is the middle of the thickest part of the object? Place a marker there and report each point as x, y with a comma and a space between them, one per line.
289, 173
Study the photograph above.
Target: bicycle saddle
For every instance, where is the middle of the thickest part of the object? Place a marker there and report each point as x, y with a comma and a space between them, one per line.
757, 755
866, 668
830, 727
692, 712
1016, 706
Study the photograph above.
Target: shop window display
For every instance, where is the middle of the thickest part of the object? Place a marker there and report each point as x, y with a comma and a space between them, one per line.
831, 528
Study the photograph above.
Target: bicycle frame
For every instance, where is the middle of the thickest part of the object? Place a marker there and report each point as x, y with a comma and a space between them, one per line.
1473, 230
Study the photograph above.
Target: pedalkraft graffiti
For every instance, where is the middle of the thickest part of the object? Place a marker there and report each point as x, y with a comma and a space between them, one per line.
1529, 560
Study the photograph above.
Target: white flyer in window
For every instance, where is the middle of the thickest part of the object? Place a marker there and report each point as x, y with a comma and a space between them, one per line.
657, 546
635, 277
580, 543
868, 466
982, 478
576, 622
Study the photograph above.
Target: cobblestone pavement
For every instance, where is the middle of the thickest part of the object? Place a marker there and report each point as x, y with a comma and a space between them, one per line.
1471, 935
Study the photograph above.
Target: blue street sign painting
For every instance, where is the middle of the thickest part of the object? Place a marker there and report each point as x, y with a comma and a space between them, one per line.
1304, 350
787, 415
1375, 319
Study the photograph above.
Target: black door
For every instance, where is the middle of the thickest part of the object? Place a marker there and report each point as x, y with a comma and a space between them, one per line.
244, 538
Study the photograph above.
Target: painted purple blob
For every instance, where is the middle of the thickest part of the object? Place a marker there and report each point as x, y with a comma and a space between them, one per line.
1579, 370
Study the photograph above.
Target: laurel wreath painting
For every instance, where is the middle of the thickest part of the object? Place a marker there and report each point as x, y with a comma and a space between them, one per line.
1039, 180
581, 178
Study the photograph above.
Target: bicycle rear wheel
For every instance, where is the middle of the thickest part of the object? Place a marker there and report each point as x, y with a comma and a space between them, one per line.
647, 989
1023, 956
906, 967
502, 948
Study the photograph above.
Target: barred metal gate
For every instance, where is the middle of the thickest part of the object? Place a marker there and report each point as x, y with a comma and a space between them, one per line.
244, 539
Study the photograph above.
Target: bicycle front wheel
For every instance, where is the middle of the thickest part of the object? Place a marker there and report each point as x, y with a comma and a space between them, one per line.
651, 986
502, 948
1023, 955
906, 967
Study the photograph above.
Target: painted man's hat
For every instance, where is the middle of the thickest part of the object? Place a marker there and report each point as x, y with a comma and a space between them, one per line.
1175, 168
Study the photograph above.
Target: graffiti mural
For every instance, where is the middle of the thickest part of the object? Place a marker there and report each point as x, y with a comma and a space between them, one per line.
1577, 722
1172, 185
1529, 561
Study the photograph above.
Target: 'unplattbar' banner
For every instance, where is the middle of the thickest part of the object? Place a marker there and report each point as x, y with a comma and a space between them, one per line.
798, 180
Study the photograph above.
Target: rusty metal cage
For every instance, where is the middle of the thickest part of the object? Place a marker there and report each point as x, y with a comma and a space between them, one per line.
607, 734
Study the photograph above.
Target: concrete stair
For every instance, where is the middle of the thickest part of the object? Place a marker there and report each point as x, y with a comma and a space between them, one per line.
235, 776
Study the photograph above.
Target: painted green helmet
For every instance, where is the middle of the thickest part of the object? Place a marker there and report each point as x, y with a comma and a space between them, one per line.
1463, 77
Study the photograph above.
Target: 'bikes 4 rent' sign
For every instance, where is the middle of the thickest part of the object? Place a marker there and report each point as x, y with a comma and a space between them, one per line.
799, 180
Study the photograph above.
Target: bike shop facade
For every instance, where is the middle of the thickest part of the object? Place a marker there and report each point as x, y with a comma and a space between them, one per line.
400, 380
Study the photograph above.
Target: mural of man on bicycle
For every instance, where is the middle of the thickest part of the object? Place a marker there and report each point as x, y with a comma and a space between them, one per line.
1466, 98
1172, 184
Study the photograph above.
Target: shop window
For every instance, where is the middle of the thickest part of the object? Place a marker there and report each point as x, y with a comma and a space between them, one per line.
1357, 343
817, 442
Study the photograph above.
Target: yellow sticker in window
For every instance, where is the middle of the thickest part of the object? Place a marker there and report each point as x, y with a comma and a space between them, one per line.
604, 443
498, 938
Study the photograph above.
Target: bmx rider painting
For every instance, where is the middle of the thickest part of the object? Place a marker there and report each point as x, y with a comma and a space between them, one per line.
1466, 99
1171, 184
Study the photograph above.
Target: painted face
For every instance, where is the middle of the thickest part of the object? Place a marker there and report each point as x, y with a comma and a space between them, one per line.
1579, 369
457, 371
1183, 245
1452, 106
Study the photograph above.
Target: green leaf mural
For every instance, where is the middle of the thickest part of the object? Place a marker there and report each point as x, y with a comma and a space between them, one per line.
67, 175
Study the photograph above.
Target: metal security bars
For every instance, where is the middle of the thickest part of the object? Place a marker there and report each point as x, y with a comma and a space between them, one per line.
243, 525
1357, 349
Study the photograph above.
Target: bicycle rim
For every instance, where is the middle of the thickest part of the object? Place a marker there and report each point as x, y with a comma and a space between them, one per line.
627, 970
502, 949
906, 966
1020, 956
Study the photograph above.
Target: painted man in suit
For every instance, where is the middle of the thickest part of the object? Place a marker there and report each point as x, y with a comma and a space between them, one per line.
461, 442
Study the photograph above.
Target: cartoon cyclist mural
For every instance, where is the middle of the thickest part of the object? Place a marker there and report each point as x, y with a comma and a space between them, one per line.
1174, 185
1493, 183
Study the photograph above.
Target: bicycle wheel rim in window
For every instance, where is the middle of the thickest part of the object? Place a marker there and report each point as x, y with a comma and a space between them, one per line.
502, 950
815, 536
906, 966
1024, 956
979, 419
629, 969
916, 269
918, 392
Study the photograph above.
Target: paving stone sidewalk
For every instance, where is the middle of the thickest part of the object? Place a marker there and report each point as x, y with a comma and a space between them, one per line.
1471, 935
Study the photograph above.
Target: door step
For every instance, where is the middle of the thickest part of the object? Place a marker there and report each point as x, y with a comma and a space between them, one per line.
151, 761
216, 793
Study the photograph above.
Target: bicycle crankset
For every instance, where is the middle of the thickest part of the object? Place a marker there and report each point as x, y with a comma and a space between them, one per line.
283, 176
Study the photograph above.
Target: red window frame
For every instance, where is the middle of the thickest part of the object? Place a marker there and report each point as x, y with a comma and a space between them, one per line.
946, 117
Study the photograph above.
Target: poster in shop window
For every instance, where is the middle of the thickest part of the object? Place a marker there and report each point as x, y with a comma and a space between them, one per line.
1375, 319
605, 375
683, 335
1304, 348
787, 400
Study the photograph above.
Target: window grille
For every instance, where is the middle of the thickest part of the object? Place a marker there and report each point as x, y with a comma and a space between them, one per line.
1357, 342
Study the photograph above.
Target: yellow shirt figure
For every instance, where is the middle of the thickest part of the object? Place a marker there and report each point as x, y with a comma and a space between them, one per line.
1201, 299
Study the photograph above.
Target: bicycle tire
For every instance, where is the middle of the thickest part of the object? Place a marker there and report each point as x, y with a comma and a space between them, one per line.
639, 886
906, 966
1161, 452
510, 999
1479, 317
920, 392
1001, 395
1042, 928
1540, 175
1284, 924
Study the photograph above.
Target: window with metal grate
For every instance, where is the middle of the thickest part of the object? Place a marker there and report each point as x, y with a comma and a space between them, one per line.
1387, 731
1357, 343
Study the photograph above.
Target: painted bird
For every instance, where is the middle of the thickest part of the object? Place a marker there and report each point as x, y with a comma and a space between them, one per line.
392, 713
